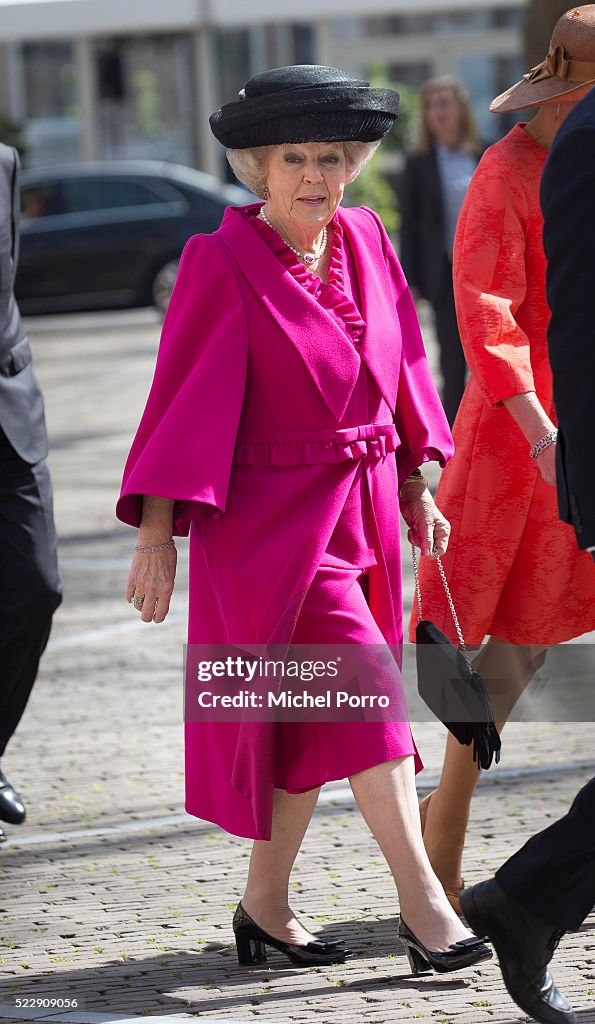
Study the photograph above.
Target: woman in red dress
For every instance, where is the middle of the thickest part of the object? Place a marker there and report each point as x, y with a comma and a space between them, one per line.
514, 568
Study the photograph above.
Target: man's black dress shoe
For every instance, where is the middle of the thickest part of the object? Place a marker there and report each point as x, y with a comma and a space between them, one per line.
525, 944
12, 808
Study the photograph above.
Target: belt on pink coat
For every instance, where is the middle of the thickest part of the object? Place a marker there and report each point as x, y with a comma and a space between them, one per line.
311, 447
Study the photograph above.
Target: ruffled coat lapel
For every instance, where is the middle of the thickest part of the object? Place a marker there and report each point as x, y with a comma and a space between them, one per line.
334, 367
381, 340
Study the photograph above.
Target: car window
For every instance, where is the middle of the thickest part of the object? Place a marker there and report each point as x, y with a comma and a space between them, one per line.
44, 200
81, 195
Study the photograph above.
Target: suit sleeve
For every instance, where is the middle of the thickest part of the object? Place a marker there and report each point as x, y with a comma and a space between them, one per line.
410, 247
9, 170
489, 279
568, 190
419, 417
184, 445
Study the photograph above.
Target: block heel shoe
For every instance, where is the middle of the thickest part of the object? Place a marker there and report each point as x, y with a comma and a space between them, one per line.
460, 954
251, 943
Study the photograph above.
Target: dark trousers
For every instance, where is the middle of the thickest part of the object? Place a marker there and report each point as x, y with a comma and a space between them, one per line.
553, 875
30, 583
452, 358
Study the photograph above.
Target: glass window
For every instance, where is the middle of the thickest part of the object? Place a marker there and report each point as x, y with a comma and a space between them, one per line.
44, 200
232, 62
486, 77
404, 24
145, 88
304, 44
461, 21
81, 195
509, 18
410, 74
50, 80
53, 126
441, 23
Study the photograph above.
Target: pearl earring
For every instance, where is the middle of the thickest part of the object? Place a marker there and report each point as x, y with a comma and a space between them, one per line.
265, 193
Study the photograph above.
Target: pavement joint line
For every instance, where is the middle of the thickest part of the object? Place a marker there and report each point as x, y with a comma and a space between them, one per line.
94, 636
106, 320
84, 1017
339, 795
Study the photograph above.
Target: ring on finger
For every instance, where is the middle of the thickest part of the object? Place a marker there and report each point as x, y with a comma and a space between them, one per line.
137, 601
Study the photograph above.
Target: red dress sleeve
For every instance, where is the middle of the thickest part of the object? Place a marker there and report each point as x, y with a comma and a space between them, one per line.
489, 274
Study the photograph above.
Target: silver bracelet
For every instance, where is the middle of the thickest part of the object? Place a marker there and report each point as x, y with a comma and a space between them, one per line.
158, 547
550, 438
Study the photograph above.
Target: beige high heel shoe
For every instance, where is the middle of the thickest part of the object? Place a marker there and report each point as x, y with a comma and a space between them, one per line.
452, 895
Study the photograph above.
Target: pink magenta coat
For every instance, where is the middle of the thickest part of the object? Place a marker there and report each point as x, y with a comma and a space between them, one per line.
247, 428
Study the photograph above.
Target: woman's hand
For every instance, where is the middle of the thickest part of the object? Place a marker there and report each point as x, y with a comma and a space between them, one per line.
152, 573
533, 420
427, 526
546, 464
152, 576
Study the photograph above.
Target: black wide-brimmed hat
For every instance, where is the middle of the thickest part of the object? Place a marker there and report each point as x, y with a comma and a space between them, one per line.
305, 103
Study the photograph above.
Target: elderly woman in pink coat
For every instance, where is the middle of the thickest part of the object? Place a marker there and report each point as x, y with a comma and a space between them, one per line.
291, 409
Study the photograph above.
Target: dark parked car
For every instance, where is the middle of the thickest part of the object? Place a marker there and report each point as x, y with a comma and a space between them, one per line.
97, 236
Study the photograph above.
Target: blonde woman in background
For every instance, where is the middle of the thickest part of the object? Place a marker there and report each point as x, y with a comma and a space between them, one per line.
436, 177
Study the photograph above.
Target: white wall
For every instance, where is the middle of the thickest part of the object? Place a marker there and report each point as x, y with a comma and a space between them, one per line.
51, 19
46, 19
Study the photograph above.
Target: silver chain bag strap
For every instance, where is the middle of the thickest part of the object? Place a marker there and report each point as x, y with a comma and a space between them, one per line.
449, 684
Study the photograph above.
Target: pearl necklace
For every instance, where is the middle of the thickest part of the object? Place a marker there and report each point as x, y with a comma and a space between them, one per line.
308, 258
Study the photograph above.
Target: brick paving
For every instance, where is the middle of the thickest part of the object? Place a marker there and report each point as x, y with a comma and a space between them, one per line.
109, 892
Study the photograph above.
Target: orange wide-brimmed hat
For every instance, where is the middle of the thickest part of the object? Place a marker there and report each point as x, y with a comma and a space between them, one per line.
569, 65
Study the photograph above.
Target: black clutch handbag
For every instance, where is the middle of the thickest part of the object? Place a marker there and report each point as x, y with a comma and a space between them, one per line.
450, 686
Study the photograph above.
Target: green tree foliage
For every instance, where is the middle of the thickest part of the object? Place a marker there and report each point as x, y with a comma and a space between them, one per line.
404, 132
372, 187
11, 134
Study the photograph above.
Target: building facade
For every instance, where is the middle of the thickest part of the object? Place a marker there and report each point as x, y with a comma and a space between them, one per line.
109, 79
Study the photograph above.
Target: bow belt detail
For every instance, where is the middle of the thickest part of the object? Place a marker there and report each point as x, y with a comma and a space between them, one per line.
309, 447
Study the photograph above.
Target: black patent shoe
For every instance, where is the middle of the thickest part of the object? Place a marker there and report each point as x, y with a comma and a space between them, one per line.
251, 943
12, 808
459, 955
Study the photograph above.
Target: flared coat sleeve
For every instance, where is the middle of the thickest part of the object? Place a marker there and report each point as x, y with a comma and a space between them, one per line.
185, 442
419, 416
490, 280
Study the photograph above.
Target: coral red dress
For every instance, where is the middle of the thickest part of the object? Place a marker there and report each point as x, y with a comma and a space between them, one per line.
514, 568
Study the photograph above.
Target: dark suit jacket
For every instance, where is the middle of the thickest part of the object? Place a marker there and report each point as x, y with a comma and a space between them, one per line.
21, 402
423, 228
568, 202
